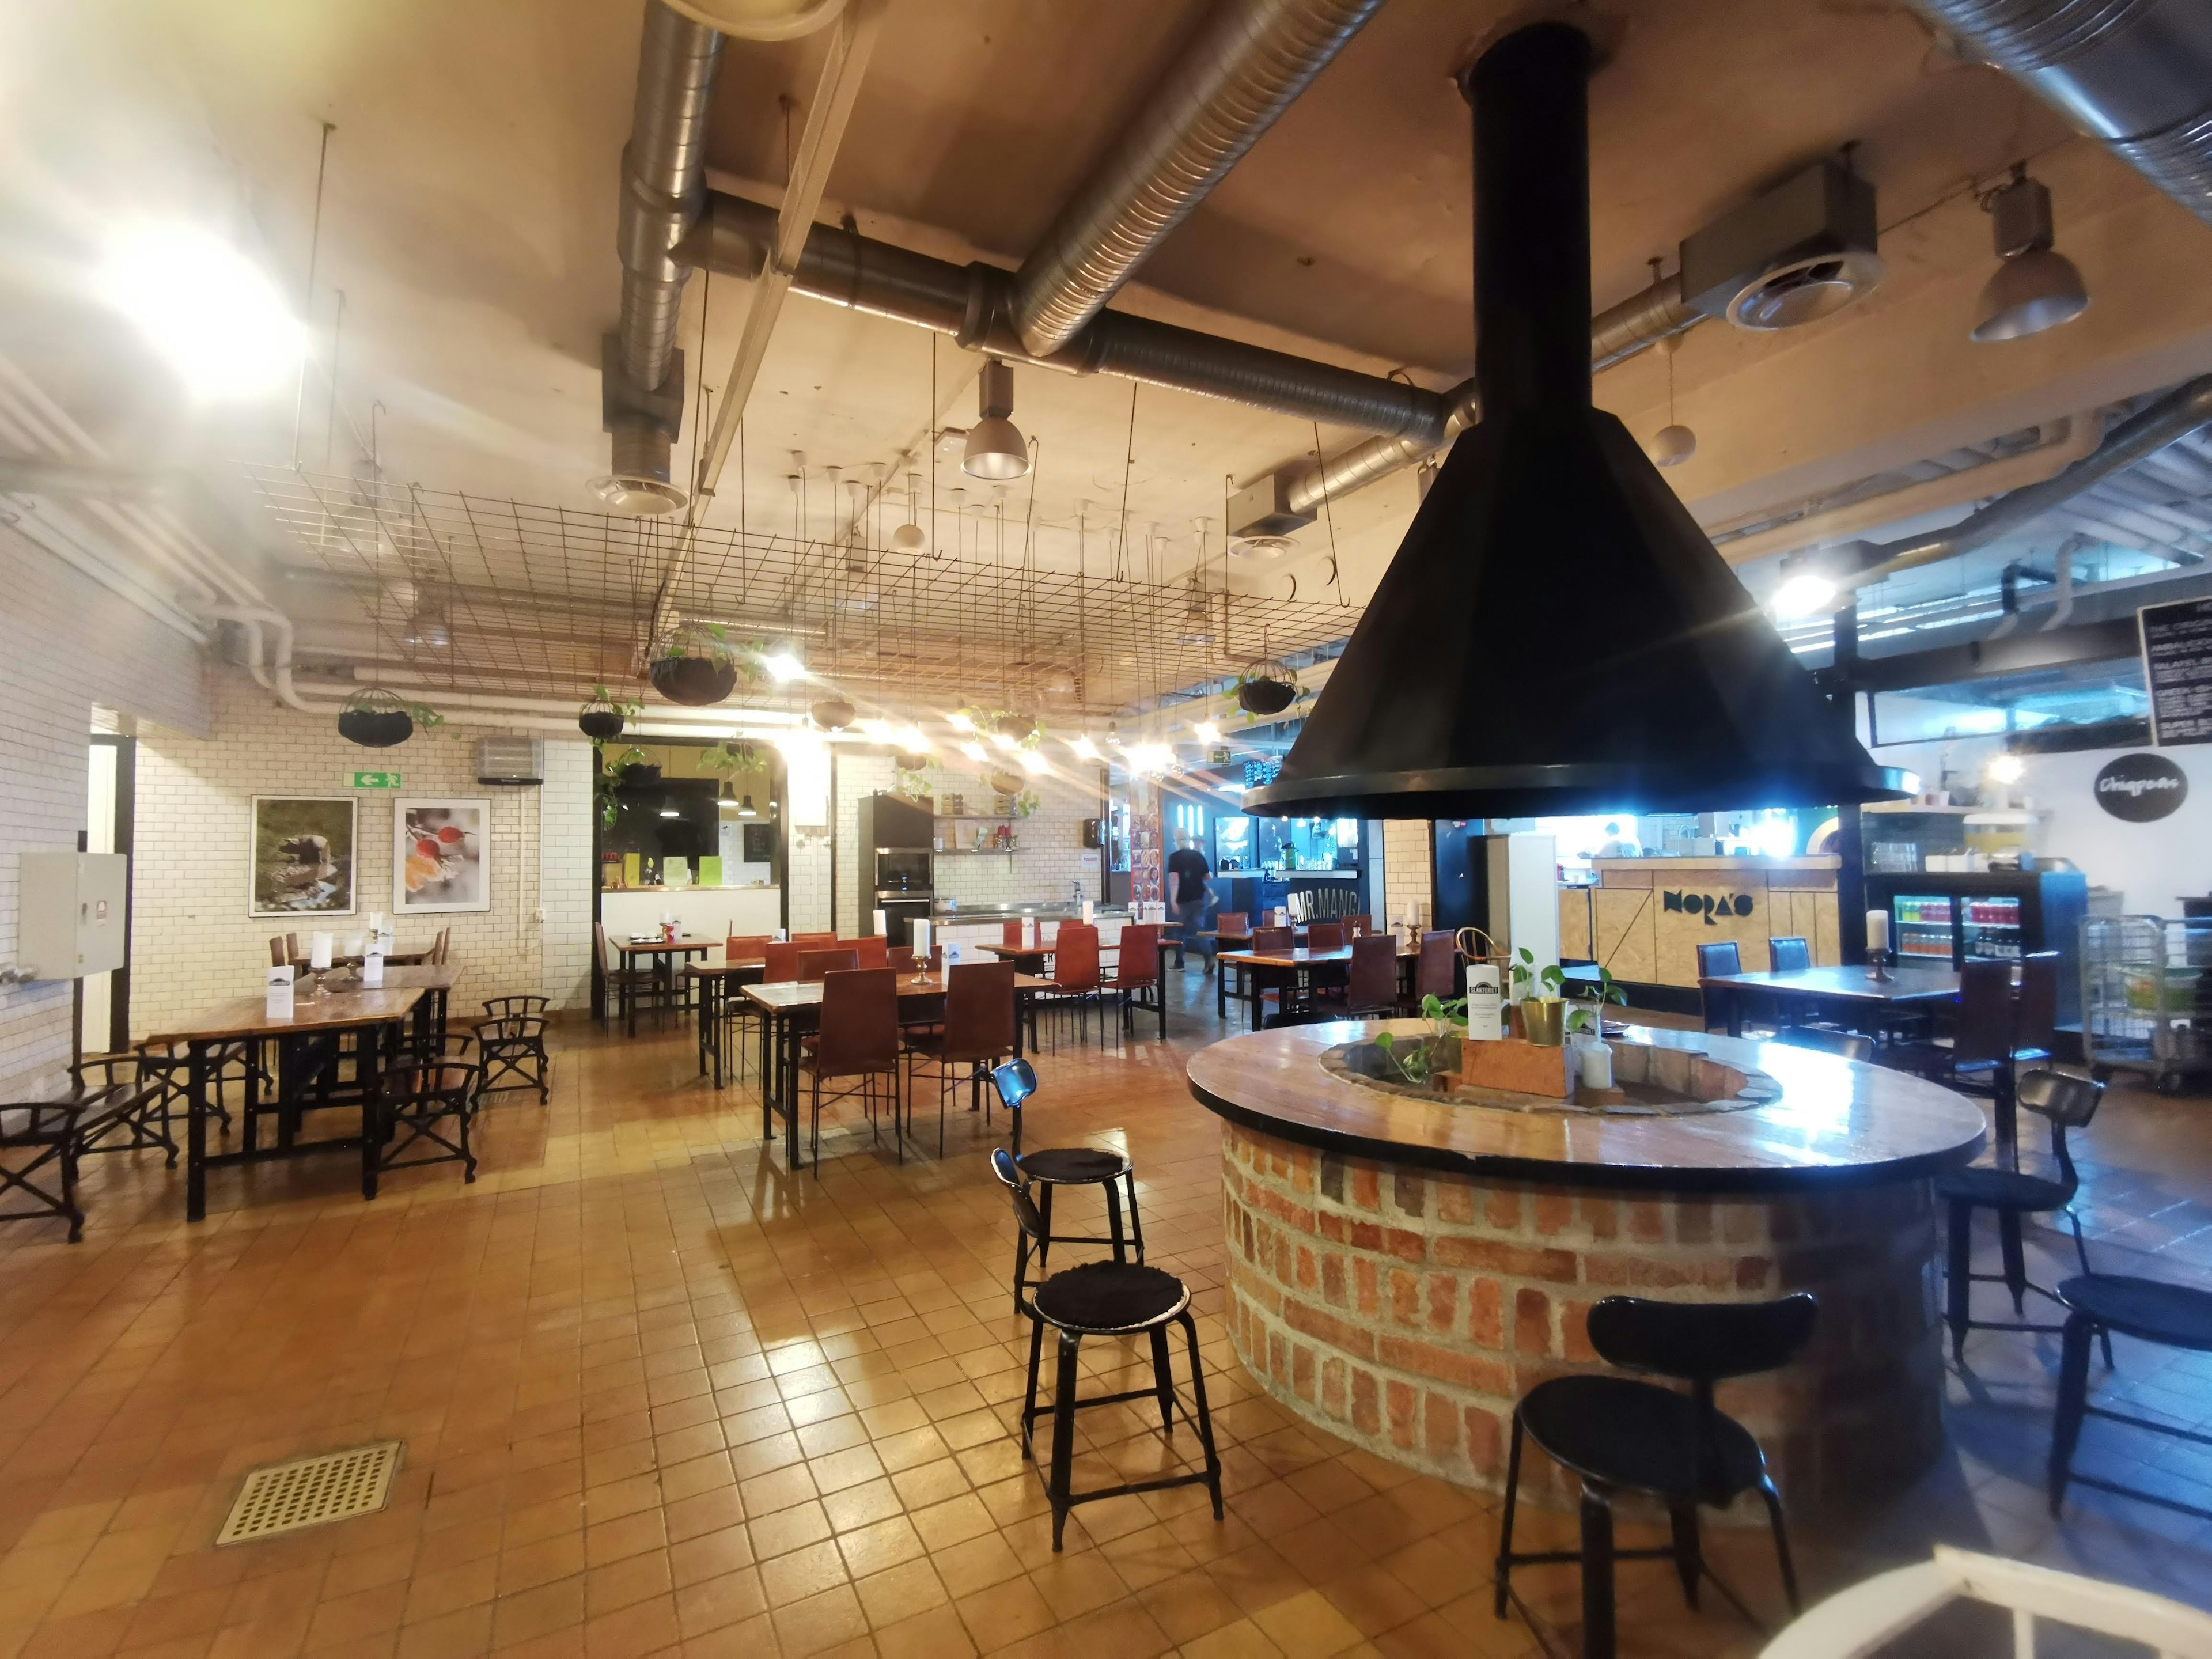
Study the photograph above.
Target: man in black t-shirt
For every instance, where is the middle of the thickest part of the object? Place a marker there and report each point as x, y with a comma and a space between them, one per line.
1187, 867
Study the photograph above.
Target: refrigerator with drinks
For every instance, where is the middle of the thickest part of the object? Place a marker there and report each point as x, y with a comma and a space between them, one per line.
1946, 919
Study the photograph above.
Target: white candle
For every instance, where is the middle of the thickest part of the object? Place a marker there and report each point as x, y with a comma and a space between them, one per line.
1877, 930
318, 951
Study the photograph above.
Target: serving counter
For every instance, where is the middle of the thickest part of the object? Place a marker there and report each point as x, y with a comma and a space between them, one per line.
714, 913
1402, 1267
1646, 917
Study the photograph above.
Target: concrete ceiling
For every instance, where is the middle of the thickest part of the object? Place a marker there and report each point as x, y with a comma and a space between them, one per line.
468, 222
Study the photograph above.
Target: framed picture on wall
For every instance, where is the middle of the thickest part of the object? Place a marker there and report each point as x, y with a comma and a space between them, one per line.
303, 862
441, 856
759, 842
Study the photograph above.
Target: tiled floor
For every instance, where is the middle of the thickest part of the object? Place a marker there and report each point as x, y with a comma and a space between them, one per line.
658, 1395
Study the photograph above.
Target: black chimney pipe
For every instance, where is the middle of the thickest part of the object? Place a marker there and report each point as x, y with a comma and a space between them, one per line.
1530, 94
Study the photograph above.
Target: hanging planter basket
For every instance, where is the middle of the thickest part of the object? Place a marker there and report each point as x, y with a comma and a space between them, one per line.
600, 725
694, 681
834, 714
1266, 696
376, 719
1004, 783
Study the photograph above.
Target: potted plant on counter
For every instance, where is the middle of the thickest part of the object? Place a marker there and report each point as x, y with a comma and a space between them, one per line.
375, 719
1588, 1015
1426, 1059
1539, 1000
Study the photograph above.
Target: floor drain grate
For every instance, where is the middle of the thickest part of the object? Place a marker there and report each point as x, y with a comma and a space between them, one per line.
310, 1491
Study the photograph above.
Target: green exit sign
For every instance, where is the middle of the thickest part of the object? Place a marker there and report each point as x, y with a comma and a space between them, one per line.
376, 780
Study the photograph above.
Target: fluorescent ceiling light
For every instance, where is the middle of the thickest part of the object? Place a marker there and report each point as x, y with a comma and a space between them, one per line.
213, 314
1207, 731
910, 739
781, 666
1803, 594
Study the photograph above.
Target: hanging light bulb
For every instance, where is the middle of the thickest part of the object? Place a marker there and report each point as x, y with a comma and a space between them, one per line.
1207, 731
1084, 748
975, 751
996, 448
911, 538
1032, 762
1672, 444
2035, 288
746, 809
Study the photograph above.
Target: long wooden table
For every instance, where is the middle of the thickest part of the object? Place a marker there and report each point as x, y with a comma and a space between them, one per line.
1813, 989
1280, 970
665, 953
791, 1010
309, 1042
713, 982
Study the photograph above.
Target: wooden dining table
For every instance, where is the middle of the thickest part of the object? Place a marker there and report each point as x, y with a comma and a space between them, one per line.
665, 954
1810, 992
310, 1042
713, 982
1282, 971
792, 1011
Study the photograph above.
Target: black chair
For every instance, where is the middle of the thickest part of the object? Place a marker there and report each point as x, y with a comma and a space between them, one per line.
1050, 1167
1718, 962
1102, 1298
1789, 956
511, 1042
140, 1096
431, 1101
57, 1132
2069, 1102
1828, 1041
2171, 1315
1620, 1435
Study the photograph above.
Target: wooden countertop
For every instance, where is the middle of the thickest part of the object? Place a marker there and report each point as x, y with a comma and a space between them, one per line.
1716, 861
1838, 1124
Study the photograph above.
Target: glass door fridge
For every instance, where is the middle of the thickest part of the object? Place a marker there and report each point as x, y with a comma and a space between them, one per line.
1923, 929
1946, 919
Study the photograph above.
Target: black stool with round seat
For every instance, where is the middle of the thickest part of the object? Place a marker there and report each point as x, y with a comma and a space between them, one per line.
2148, 1310
1620, 1435
1103, 1298
1051, 1167
2069, 1102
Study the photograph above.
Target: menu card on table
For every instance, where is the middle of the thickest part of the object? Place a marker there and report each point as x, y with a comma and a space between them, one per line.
372, 970
278, 1004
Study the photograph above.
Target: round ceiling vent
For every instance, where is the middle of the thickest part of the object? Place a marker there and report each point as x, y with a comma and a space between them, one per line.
1805, 290
633, 496
760, 20
1260, 547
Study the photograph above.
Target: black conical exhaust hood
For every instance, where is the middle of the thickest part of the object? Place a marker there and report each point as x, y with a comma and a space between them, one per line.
1556, 635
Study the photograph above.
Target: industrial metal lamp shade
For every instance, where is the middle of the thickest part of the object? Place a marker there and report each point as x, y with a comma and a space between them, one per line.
995, 450
2032, 291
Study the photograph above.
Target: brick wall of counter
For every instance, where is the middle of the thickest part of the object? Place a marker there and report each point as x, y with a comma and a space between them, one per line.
1406, 1312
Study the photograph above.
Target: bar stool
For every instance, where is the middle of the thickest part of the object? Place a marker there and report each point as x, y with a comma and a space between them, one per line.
2171, 1315
1102, 1298
1622, 1434
511, 1042
1066, 1166
2069, 1102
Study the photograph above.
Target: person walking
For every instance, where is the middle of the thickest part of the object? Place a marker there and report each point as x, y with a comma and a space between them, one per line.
1187, 866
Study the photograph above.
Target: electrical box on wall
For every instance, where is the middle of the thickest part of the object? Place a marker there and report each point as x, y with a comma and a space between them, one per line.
72, 913
1091, 832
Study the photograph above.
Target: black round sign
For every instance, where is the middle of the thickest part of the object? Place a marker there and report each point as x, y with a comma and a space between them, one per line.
2142, 788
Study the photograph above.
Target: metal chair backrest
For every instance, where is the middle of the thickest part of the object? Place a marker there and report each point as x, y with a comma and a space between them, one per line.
1789, 956
1232, 924
1373, 978
859, 1021
610, 959
1439, 961
873, 950
1719, 961
1269, 940
1985, 1013
1833, 1042
779, 961
2069, 1103
510, 1007
1015, 1081
415, 1082
1141, 954
815, 965
978, 1010
1324, 936
1026, 1216
2035, 1016
1075, 957
510, 1028
745, 947
1359, 926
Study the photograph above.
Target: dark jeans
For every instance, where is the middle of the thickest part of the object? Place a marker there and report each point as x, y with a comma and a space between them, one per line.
1190, 918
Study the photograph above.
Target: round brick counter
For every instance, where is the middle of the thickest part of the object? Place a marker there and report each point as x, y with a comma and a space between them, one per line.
1404, 1301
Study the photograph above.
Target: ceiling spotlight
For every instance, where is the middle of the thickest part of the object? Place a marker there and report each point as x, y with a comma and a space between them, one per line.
975, 751
1803, 594
1032, 762
1004, 743
995, 447
1084, 748
746, 809
1207, 731
2035, 288
782, 666
212, 312
910, 538
2005, 769
960, 722
910, 740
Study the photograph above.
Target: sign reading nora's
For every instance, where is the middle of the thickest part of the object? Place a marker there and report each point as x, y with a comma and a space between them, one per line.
2142, 788
1707, 905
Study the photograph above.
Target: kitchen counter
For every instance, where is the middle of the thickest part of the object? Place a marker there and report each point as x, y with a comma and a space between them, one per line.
1645, 917
1059, 911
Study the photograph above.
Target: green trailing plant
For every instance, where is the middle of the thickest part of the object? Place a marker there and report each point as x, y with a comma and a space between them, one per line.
1415, 1060
612, 775
603, 715
376, 718
1590, 1015
1534, 984
734, 758
1026, 803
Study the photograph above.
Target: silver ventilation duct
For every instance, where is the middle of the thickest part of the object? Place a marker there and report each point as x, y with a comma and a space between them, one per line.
972, 302
2136, 74
1249, 60
663, 174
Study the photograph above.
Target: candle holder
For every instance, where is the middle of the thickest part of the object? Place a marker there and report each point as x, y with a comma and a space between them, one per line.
1878, 965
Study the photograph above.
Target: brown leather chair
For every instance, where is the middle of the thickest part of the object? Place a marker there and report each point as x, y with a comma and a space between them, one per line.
745, 947
1324, 936
627, 986
278, 955
815, 941
1010, 935
1372, 990
1136, 982
978, 1032
858, 1043
899, 958
1077, 980
872, 950
1232, 924
1437, 966
817, 965
780, 959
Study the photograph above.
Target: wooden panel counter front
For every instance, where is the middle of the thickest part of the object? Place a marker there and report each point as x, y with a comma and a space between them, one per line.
1401, 1269
1645, 919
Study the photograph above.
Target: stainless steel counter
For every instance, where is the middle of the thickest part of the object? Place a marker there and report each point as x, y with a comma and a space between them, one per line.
1060, 911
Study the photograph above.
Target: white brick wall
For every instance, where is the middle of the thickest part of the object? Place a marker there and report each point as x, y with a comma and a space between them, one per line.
193, 941
1408, 868
65, 644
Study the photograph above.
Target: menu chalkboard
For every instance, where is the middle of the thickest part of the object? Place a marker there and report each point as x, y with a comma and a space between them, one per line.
2177, 651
